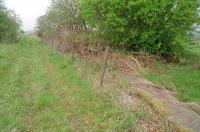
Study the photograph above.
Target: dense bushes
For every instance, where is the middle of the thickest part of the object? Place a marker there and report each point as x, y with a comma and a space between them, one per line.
9, 24
155, 26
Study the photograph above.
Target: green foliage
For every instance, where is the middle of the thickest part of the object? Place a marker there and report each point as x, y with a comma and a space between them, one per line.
61, 15
153, 26
183, 78
158, 27
9, 24
41, 90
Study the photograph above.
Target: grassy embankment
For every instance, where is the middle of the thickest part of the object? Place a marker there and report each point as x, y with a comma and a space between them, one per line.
42, 90
183, 78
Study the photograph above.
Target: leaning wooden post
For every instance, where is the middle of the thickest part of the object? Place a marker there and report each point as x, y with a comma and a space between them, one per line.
59, 44
72, 48
105, 62
72, 51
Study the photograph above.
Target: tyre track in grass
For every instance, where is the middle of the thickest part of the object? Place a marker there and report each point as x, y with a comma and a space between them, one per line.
58, 99
42, 113
48, 94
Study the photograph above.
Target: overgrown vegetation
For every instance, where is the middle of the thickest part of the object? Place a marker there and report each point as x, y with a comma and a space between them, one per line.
42, 90
161, 27
145, 25
9, 24
158, 27
182, 78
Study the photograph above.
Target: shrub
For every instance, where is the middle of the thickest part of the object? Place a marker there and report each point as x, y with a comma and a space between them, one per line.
155, 26
9, 24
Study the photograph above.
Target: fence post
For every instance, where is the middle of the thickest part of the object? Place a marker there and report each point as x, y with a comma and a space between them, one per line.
105, 62
72, 49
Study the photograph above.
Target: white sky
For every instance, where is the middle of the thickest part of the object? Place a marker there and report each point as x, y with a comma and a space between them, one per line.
28, 10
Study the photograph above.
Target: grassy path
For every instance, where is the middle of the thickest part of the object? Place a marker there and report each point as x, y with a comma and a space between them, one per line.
37, 86
40, 90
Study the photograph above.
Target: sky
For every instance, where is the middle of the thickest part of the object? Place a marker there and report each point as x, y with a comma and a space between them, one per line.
28, 11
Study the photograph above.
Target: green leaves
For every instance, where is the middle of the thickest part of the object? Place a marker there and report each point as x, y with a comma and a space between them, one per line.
154, 26
62, 16
151, 25
9, 24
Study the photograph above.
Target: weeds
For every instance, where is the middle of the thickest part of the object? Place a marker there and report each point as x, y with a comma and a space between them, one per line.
182, 78
135, 117
43, 90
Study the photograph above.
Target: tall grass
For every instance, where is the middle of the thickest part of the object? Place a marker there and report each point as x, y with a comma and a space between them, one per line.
43, 90
183, 78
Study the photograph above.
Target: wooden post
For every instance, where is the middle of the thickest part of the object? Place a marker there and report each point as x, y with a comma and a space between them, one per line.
59, 45
60, 41
72, 50
105, 62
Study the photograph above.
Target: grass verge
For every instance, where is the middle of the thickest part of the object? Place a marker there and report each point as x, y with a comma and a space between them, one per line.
183, 78
43, 90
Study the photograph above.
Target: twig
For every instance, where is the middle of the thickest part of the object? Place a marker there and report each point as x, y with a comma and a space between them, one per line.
138, 64
130, 66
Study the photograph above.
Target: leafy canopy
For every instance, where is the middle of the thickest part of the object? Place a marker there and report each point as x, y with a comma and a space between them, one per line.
62, 14
154, 26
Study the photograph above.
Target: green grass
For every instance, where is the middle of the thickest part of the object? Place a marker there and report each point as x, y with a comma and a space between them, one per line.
183, 78
43, 90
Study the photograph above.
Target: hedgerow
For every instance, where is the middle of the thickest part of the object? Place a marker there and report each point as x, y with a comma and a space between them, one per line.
155, 26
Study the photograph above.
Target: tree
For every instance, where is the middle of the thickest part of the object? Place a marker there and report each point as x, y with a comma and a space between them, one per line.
62, 14
9, 24
154, 26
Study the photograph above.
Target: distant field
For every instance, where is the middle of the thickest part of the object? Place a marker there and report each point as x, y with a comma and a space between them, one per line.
183, 78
